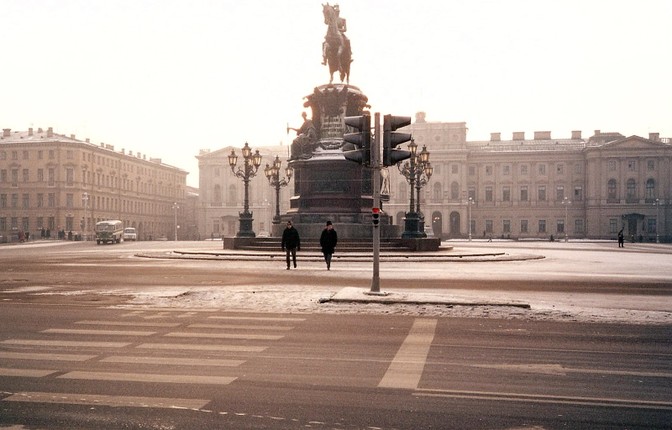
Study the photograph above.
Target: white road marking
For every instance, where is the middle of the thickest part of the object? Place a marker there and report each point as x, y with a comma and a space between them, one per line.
242, 327
407, 366
102, 400
540, 398
225, 336
231, 348
172, 361
44, 356
149, 377
275, 319
26, 373
65, 343
129, 323
99, 332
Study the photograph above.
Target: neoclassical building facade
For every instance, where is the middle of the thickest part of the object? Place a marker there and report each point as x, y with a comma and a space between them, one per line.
56, 182
541, 186
525, 187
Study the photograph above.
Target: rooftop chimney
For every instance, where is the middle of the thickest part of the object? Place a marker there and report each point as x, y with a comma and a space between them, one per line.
654, 136
576, 134
6, 132
30, 131
518, 135
542, 135
50, 132
495, 137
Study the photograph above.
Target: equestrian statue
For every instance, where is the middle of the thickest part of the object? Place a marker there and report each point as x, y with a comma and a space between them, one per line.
336, 46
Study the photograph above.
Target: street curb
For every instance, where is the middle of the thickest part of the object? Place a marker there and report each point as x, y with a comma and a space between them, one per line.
358, 295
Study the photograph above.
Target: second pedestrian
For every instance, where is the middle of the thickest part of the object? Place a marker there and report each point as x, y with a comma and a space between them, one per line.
328, 241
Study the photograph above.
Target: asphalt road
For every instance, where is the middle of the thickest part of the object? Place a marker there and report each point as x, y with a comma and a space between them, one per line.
93, 361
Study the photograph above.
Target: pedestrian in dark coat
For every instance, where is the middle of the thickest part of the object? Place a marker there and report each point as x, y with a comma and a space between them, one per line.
291, 242
620, 239
328, 241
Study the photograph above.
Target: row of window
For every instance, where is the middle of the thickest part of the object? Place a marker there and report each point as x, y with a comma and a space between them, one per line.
542, 192
560, 168
49, 200
100, 180
542, 226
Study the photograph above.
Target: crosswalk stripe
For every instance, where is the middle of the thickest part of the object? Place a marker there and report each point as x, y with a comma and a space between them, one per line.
182, 346
225, 336
149, 377
128, 323
99, 332
276, 319
408, 364
44, 356
65, 343
103, 400
26, 373
242, 327
172, 361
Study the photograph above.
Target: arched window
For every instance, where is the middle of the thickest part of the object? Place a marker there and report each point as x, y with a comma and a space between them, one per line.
650, 189
612, 192
437, 193
231, 195
217, 195
631, 189
454, 191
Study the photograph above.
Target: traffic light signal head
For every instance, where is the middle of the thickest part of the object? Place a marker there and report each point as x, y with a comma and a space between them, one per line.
392, 138
361, 139
375, 216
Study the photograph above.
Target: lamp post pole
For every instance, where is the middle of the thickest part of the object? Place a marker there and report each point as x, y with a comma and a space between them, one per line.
469, 203
249, 169
417, 172
566, 202
657, 203
175, 208
273, 175
85, 203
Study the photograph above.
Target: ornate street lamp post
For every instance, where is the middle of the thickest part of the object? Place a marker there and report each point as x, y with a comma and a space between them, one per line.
417, 172
273, 175
249, 169
566, 202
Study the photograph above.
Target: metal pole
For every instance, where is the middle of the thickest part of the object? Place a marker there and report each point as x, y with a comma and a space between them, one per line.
657, 220
469, 203
375, 163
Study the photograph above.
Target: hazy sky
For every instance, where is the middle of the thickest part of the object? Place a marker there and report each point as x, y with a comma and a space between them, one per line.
170, 77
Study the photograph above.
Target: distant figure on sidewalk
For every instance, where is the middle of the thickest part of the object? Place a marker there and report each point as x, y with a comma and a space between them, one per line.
328, 241
620, 239
291, 242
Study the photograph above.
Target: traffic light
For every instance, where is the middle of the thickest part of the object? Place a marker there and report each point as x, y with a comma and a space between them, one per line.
361, 139
392, 138
375, 216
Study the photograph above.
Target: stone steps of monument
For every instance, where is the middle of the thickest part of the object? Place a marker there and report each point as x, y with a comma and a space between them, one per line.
270, 244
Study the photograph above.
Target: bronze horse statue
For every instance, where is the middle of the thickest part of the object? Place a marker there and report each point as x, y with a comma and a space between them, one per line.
336, 47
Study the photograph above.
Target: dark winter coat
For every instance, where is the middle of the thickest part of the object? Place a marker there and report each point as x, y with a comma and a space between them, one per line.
328, 240
290, 239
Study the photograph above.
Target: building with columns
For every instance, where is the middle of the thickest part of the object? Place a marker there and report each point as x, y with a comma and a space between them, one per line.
221, 193
54, 182
540, 186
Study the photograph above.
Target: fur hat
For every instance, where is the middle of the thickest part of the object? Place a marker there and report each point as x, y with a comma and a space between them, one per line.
328, 222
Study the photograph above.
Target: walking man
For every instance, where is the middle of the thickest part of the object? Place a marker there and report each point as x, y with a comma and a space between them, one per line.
328, 241
620, 239
291, 242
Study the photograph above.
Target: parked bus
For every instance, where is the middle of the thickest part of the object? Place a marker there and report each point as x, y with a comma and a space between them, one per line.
109, 231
